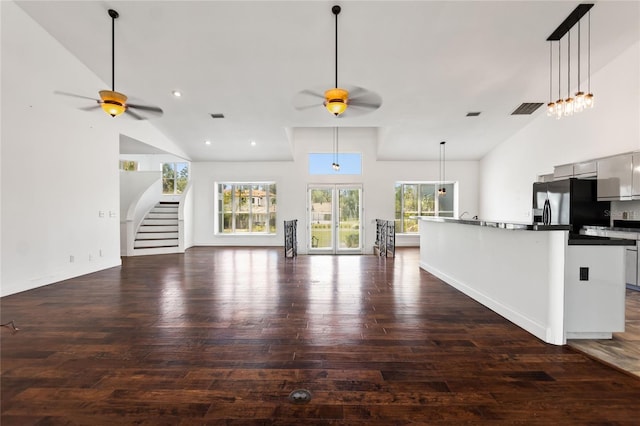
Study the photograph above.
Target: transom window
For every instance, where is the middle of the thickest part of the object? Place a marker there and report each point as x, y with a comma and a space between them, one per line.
246, 208
421, 199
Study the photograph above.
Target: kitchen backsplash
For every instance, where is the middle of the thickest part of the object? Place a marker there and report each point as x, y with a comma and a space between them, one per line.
625, 210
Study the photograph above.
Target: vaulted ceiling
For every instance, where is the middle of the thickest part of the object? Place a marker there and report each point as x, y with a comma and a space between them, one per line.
431, 62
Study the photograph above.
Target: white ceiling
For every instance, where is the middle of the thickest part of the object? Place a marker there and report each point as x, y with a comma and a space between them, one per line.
431, 62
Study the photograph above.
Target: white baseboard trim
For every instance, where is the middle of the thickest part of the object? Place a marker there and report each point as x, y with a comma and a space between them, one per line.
76, 271
533, 327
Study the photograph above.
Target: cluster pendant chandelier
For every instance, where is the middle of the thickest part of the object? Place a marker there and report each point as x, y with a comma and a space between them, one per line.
442, 191
564, 107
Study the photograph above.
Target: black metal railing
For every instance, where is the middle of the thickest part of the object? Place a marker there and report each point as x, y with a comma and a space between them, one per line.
386, 237
290, 238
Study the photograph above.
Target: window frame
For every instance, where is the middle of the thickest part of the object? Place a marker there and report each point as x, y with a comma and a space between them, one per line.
269, 204
399, 216
175, 178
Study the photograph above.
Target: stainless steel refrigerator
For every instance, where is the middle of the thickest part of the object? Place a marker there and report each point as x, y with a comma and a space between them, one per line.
569, 202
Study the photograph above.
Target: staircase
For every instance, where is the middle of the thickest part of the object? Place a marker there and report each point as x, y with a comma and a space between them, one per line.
158, 233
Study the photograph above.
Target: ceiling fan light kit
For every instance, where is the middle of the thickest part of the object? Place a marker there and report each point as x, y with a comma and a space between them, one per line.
336, 100
113, 103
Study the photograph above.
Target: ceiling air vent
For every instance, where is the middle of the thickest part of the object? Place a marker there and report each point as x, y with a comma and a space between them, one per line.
473, 114
218, 115
527, 108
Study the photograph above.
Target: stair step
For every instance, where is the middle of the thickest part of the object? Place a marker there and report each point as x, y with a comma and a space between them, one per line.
158, 228
168, 215
160, 221
142, 251
156, 235
156, 243
168, 203
162, 209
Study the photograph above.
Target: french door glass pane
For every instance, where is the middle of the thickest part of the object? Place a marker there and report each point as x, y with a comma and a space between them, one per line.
349, 218
410, 201
321, 218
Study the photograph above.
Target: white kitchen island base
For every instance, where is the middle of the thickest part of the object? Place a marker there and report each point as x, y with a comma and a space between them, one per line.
531, 278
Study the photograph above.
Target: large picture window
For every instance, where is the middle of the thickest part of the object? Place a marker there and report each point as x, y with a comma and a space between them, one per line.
175, 177
421, 199
244, 208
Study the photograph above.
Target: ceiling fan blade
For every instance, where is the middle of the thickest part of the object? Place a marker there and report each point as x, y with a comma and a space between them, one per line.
146, 108
355, 91
90, 108
312, 93
305, 107
133, 114
73, 95
358, 104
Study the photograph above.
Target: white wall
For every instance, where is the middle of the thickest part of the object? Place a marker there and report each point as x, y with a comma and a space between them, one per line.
612, 127
378, 179
59, 165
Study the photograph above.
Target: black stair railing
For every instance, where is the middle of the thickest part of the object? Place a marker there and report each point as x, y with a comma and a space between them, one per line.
290, 238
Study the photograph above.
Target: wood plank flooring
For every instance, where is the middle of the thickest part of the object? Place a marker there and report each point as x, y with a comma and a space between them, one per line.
221, 336
623, 351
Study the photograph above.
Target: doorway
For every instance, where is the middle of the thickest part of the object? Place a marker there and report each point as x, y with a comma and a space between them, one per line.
335, 225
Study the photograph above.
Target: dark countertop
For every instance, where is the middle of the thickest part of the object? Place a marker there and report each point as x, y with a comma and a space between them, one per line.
590, 240
498, 224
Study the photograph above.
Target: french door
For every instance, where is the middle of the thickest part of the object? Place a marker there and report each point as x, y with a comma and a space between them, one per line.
335, 225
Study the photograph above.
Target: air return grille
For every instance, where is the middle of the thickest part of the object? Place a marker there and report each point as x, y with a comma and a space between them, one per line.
527, 108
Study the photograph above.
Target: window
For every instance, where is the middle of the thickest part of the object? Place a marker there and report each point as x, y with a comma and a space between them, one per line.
175, 177
246, 208
321, 164
421, 199
128, 166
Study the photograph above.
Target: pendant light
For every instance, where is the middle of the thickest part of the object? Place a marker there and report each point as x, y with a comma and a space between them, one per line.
442, 191
551, 106
569, 106
589, 99
568, 103
579, 100
335, 165
560, 101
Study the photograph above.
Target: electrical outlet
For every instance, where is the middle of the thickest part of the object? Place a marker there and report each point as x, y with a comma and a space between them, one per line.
71, 259
584, 274
100, 213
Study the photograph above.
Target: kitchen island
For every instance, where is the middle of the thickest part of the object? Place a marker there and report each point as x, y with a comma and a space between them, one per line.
537, 277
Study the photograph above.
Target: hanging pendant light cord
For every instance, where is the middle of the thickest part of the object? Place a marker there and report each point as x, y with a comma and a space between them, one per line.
589, 55
579, 37
569, 65
337, 146
550, 71
113, 54
559, 66
336, 13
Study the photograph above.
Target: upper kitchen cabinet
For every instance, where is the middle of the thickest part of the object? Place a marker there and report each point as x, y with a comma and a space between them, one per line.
615, 177
636, 176
586, 169
563, 172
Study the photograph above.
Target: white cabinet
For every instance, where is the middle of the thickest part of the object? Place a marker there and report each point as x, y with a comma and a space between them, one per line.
588, 169
563, 172
615, 177
636, 176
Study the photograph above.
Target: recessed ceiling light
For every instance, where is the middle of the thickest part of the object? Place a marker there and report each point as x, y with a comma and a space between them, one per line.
176, 93
207, 142
253, 143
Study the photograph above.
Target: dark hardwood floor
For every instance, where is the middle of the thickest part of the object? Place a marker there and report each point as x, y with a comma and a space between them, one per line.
223, 335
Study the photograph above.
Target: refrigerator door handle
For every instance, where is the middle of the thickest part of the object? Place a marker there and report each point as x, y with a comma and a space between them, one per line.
546, 216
